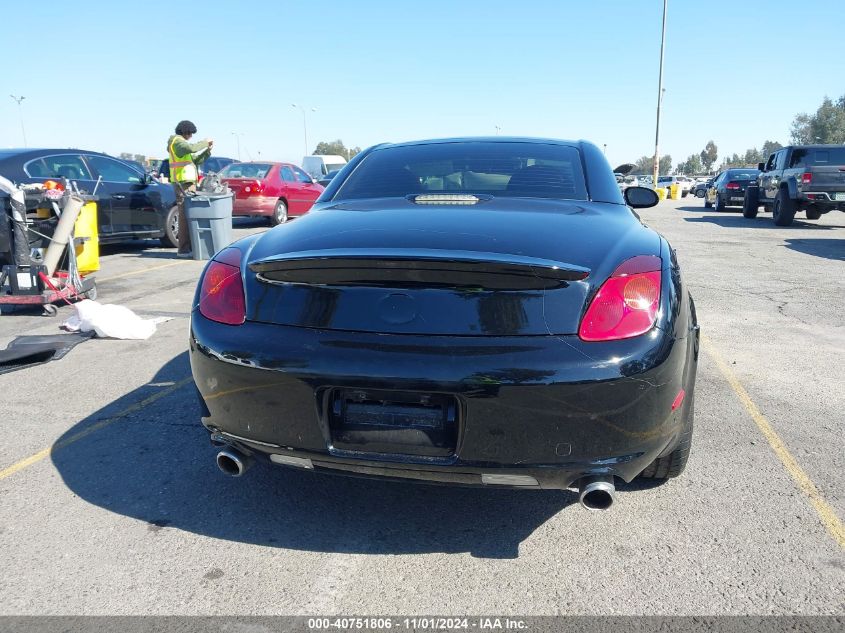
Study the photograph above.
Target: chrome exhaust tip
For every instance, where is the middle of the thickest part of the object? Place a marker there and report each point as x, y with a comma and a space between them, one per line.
596, 492
233, 463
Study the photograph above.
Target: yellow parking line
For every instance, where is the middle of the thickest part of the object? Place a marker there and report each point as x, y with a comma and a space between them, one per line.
144, 270
825, 511
37, 457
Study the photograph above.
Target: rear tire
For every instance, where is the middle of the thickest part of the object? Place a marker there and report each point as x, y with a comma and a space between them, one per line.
783, 210
720, 204
170, 239
751, 204
674, 463
280, 214
813, 214
699, 193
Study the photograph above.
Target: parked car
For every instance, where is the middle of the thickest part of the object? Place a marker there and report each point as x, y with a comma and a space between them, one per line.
700, 187
131, 205
325, 180
211, 165
681, 181
473, 311
809, 178
277, 191
319, 165
728, 188
214, 165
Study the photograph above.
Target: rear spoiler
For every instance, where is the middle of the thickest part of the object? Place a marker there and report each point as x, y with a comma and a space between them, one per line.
416, 268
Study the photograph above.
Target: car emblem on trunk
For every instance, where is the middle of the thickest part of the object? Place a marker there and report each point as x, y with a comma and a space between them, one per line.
397, 308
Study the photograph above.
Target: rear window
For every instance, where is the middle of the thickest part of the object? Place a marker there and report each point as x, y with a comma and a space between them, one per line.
245, 170
811, 156
531, 170
743, 175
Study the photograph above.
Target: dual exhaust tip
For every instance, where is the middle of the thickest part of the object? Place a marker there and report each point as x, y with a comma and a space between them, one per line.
233, 463
596, 492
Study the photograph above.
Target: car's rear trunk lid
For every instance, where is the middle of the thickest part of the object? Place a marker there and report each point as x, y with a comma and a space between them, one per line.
462, 271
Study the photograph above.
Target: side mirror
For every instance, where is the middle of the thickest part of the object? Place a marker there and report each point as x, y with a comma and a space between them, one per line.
640, 197
761, 166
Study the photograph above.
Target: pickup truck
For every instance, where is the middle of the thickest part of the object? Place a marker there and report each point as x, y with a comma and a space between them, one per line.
809, 178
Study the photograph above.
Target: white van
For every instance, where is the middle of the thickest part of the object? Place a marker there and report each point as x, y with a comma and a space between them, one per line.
319, 166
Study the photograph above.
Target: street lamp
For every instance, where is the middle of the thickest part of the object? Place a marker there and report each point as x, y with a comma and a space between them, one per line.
660, 92
498, 129
20, 113
238, 136
304, 124
605, 149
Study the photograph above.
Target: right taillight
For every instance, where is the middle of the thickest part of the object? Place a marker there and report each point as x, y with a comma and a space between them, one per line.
626, 304
222, 291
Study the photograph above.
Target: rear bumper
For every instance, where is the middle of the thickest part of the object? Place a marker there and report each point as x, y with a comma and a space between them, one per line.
552, 408
254, 205
824, 197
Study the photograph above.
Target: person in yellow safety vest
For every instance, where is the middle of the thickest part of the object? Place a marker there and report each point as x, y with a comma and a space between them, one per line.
184, 158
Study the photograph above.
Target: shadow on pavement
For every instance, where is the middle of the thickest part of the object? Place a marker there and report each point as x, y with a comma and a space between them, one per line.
729, 219
157, 465
829, 249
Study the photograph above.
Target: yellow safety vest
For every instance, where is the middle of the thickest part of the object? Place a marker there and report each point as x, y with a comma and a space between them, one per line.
182, 168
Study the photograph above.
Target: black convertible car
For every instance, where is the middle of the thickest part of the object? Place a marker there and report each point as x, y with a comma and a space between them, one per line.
474, 311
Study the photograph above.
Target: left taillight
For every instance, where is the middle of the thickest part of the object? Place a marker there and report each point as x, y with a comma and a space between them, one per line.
626, 305
222, 291
732, 185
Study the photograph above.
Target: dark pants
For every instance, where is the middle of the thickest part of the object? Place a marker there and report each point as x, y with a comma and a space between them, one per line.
184, 233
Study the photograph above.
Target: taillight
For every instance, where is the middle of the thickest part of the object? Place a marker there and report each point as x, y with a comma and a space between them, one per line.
806, 178
626, 304
222, 291
256, 187
732, 185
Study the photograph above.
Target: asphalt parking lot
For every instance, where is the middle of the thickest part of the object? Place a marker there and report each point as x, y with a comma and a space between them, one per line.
110, 501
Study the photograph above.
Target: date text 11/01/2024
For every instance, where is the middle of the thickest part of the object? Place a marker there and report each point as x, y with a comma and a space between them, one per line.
418, 623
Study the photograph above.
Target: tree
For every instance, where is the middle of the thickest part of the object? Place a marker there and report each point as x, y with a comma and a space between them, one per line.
709, 155
645, 165
769, 148
827, 125
753, 156
692, 165
336, 148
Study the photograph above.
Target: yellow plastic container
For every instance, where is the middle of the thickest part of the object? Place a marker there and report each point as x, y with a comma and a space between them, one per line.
88, 252
675, 192
661, 192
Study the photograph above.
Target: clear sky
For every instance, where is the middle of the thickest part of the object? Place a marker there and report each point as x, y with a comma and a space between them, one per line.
117, 76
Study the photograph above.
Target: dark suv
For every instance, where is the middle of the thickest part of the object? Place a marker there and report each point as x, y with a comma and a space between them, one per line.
808, 178
131, 204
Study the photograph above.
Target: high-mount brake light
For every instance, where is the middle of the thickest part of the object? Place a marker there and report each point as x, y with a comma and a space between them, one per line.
626, 305
222, 291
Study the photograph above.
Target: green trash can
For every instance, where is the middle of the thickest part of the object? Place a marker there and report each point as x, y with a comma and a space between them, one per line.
209, 218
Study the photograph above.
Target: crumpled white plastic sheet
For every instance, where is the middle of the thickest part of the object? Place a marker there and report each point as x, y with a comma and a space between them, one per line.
110, 321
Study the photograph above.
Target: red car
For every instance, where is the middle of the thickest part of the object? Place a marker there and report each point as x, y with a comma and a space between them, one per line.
274, 190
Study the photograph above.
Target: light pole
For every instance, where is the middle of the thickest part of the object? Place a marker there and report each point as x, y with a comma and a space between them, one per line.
498, 129
20, 113
238, 136
605, 149
659, 97
304, 124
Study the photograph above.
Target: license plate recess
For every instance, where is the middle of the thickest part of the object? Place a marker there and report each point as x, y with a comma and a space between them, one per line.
393, 422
